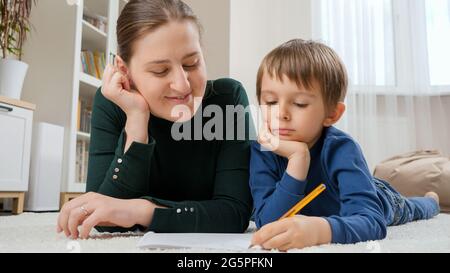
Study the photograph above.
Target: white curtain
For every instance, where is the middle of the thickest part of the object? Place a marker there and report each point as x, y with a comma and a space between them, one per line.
397, 53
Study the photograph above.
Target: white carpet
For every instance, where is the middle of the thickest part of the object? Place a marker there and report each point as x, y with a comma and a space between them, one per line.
35, 232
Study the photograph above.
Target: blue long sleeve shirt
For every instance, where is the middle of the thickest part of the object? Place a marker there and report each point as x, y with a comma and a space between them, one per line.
351, 203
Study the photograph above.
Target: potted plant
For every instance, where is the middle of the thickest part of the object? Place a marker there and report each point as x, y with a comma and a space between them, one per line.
14, 27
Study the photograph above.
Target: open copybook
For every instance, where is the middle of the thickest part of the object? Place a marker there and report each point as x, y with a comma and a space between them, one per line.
220, 241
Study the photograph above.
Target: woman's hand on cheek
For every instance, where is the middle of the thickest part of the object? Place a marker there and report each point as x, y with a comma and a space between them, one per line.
116, 87
93, 209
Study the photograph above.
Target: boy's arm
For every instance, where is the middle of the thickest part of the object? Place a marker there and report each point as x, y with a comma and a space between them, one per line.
361, 216
272, 197
296, 152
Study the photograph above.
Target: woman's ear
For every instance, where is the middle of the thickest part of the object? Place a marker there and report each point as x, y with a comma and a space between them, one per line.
334, 115
121, 65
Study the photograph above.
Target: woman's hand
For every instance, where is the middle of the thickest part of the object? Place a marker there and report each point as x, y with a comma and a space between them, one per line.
293, 232
92, 209
116, 87
296, 152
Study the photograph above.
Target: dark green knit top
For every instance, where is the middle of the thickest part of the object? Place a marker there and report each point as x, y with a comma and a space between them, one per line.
203, 183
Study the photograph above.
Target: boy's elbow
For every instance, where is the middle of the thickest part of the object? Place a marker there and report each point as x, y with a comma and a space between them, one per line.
258, 223
383, 231
261, 221
263, 217
379, 231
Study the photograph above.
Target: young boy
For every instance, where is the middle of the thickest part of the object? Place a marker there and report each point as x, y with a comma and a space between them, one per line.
301, 86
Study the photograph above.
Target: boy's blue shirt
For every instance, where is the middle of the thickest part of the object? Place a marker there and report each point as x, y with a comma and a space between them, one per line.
351, 203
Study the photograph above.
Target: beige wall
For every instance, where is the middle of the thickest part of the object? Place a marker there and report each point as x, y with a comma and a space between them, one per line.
257, 26
238, 33
215, 17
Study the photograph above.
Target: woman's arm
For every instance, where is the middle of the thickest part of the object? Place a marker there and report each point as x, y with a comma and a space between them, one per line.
119, 123
111, 170
115, 181
136, 129
118, 163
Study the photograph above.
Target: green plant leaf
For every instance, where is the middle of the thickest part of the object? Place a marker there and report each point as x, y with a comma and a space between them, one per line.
18, 23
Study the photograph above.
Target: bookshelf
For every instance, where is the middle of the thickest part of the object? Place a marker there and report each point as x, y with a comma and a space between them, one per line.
66, 63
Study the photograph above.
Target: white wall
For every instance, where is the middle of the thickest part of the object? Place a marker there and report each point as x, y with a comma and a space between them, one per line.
258, 26
440, 113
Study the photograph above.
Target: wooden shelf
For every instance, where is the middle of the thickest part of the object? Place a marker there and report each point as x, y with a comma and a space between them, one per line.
18, 103
93, 38
83, 136
90, 80
96, 7
88, 85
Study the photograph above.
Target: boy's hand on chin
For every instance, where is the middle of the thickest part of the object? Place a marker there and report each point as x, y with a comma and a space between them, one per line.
285, 148
296, 152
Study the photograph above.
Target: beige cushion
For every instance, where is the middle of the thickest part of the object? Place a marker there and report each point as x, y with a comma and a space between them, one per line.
414, 174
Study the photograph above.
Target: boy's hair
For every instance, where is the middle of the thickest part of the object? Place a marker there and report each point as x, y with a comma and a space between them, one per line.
304, 62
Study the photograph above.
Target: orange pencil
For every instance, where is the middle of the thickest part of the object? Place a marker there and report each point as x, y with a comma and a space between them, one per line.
305, 201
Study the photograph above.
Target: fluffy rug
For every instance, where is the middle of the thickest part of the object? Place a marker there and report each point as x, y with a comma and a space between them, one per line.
35, 232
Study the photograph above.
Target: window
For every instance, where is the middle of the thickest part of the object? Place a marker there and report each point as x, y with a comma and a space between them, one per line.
389, 45
438, 39
362, 33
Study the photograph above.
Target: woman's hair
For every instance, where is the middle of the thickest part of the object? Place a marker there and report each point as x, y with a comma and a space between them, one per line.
140, 17
306, 62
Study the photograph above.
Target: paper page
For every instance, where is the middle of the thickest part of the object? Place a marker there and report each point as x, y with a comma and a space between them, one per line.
225, 241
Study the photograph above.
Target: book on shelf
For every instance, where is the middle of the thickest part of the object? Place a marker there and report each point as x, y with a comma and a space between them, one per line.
84, 115
93, 63
78, 114
100, 22
81, 164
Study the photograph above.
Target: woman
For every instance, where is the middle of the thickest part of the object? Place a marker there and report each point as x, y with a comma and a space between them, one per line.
140, 174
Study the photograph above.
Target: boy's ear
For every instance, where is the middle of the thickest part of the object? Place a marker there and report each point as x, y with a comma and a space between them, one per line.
334, 115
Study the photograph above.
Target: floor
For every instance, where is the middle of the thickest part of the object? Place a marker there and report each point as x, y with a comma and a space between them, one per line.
35, 232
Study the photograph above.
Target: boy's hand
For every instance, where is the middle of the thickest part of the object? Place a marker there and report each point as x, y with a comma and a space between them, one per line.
293, 232
296, 152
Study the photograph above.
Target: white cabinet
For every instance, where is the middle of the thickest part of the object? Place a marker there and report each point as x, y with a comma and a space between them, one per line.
15, 143
45, 168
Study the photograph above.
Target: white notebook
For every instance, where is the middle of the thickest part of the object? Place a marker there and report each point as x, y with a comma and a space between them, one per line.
223, 241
